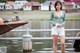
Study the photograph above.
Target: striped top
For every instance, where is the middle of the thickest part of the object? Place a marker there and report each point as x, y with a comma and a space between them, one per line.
57, 19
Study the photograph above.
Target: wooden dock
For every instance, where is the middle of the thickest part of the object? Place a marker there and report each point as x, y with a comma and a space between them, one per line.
59, 51
53, 52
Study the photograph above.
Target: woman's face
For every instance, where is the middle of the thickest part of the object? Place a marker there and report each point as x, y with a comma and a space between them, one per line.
58, 6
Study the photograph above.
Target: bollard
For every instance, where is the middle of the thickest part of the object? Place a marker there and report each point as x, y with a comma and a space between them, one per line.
27, 43
3, 49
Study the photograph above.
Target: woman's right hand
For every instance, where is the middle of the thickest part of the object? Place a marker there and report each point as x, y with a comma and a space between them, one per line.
58, 25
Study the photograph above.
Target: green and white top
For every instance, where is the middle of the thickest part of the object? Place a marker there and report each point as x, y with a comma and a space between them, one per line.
57, 19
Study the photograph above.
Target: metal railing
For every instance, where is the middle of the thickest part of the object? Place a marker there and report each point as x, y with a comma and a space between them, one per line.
30, 30
40, 38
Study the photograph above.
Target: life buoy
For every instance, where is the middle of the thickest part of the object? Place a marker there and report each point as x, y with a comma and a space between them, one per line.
1, 20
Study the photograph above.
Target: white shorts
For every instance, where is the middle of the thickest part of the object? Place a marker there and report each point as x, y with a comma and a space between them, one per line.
58, 31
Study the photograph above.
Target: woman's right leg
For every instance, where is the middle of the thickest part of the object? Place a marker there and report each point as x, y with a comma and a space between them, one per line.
55, 39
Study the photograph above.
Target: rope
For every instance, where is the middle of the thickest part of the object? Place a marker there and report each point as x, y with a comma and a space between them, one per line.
9, 26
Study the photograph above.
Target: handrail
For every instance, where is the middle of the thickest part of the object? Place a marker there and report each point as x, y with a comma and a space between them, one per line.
30, 30
38, 38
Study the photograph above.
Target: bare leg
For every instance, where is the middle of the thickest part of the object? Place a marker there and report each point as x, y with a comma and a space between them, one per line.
62, 39
55, 39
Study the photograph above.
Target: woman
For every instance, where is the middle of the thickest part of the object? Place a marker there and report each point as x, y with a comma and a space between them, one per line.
58, 21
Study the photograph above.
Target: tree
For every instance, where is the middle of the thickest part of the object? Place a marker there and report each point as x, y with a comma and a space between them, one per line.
3, 0
20, 0
10, 0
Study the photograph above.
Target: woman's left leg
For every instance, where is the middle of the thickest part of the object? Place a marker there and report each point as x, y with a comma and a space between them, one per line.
62, 39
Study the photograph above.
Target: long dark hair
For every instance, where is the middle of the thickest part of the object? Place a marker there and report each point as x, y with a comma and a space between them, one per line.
56, 5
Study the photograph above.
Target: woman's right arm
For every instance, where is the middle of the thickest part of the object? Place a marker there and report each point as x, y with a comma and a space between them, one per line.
53, 23
51, 18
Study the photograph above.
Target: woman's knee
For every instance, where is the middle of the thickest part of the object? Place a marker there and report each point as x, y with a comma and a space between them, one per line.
63, 43
55, 44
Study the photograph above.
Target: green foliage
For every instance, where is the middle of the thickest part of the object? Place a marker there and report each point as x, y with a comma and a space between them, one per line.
3, 0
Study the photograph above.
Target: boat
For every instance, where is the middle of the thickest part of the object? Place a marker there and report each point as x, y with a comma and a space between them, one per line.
6, 27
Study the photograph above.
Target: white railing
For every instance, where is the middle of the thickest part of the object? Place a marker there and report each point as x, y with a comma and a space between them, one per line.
30, 30
40, 38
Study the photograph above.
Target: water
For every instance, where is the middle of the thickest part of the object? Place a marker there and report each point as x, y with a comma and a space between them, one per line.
13, 46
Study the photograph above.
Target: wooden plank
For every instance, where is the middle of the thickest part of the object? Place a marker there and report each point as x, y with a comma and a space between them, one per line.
69, 49
48, 51
59, 51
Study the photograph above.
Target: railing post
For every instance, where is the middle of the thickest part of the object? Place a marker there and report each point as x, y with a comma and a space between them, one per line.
27, 43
